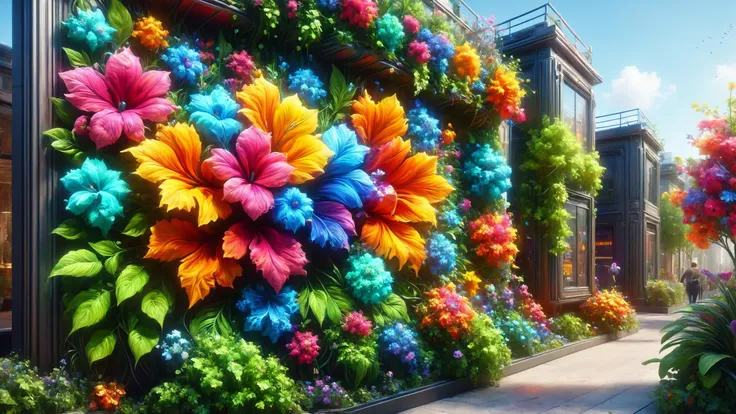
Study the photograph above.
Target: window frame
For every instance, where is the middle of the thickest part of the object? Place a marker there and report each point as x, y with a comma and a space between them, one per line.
587, 99
579, 201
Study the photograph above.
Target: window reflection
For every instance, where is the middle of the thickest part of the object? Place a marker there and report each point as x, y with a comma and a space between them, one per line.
575, 260
6, 288
575, 113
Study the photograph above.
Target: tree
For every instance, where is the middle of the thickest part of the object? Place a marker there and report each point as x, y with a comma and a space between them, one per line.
673, 229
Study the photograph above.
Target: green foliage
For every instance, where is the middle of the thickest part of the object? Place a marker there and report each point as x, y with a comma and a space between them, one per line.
137, 226
119, 18
485, 350
131, 281
227, 374
571, 327
665, 293
77, 58
71, 229
65, 111
685, 392
211, 320
90, 307
325, 297
100, 345
340, 97
77, 263
391, 309
672, 228
358, 356
554, 159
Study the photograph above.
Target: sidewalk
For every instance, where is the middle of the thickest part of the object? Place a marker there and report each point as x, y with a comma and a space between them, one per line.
605, 379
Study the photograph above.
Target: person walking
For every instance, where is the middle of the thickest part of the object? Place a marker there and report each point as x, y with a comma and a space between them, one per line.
691, 280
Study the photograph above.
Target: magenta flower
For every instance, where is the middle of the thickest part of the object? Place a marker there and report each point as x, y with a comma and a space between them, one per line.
81, 126
419, 51
357, 324
249, 177
733, 327
121, 98
411, 24
304, 347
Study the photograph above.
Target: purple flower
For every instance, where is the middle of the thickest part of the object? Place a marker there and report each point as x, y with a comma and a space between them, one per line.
457, 354
733, 327
326, 389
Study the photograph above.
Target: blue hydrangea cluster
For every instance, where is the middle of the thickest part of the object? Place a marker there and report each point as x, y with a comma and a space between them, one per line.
307, 85
424, 128
175, 348
292, 208
390, 32
268, 312
440, 47
184, 63
368, 279
441, 254
451, 218
518, 333
728, 196
399, 340
479, 86
329, 5
487, 173
90, 27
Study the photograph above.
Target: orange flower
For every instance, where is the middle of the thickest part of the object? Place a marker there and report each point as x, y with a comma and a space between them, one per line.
378, 123
173, 159
447, 310
150, 32
201, 252
291, 126
676, 197
505, 92
407, 188
472, 283
448, 135
467, 62
702, 232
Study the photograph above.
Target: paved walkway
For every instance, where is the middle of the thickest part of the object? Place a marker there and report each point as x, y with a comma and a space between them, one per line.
608, 378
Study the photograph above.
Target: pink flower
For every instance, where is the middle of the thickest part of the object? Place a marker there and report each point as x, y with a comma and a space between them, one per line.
292, 6
304, 347
359, 13
249, 177
121, 98
80, 126
357, 324
419, 51
241, 64
411, 24
465, 205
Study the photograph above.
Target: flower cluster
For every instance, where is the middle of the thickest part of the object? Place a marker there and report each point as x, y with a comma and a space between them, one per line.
446, 310
467, 62
487, 173
90, 27
150, 33
368, 279
441, 254
175, 348
268, 312
106, 397
505, 93
609, 311
356, 324
520, 335
471, 283
213, 116
532, 311
327, 393
419, 51
399, 340
241, 65
424, 128
359, 13
451, 218
495, 238
390, 32
440, 47
411, 24
184, 62
307, 85
304, 347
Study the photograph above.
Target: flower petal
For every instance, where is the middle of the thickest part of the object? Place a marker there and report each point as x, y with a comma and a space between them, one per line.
348, 189
224, 165
252, 146
411, 208
379, 123
291, 122
256, 200
236, 241
389, 156
418, 176
133, 126
308, 155
87, 89
332, 223
197, 273
273, 171
172, 240
349, 155
155, 109
393, 239
277, 255
122, 71
106, 127
152, 84
259, 101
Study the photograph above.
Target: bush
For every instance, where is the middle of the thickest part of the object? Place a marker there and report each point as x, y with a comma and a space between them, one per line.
665, 293
571, 327
608, 312
226, 374
519, 334
684, 392
486, 352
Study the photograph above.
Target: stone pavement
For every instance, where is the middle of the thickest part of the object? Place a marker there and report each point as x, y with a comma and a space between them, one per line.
608, 378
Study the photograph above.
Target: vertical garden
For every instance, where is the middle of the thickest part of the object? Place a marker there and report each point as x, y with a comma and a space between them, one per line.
253, 222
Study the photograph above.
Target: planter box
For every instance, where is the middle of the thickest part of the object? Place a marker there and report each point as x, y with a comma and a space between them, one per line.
416, 397
659, 309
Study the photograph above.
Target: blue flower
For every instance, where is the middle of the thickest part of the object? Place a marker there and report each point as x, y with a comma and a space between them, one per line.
487, 173
440, 47
390, 32
728, 196
694, 197
174, 348
424, 128
307, 85
441, 254
184, 63
90, 27
268, 312
213, 116
368, 279
329, 5
292, 209
399, 340
97, 193
451, 218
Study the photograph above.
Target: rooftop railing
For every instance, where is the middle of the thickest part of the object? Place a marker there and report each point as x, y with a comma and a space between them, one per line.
548, 16
457, 10
623, 119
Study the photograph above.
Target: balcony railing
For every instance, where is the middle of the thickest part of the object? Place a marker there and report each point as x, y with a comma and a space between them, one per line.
548, 16
457, 10
623, 119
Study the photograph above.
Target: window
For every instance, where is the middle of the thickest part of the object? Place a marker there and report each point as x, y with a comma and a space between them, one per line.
6, 286
575, 113
575, 259
650, 186
651, 252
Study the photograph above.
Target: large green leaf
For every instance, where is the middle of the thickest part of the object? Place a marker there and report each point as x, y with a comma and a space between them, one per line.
392, 309
142, 339
100, 345
112, 263
136, 226
303, 301
708, 360
318, 305
64, 111
71, 229
711, 378
131, 280
341, 298
119, 18
92, 310
155, 305
106, 248
210, 320
58, 134
76, 58
77, 263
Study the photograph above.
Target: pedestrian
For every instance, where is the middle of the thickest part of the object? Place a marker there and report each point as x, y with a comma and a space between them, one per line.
691, 280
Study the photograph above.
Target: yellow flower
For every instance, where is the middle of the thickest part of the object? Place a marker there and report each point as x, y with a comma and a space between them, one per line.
467, 62
150, 32
472, 283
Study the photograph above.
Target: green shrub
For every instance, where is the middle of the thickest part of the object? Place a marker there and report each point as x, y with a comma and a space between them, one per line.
226, 374
684, 392
665, 293
571, 327
486, 351
357, 355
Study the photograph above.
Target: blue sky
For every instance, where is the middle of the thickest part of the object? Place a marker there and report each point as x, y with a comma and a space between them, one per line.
6, 31
659, 55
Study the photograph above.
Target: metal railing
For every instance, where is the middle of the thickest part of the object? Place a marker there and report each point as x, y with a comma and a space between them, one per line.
623, 119
548, 16
457, 10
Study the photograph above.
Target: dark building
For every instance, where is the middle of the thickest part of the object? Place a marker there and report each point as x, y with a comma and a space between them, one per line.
6, 285
559, 67
627, 226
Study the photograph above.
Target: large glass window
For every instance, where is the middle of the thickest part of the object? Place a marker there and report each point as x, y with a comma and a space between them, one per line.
575, 259
651, 252
6, 287
575, 113
650, 186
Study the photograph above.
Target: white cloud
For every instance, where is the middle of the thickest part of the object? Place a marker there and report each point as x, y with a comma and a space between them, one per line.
636, 89
724, 74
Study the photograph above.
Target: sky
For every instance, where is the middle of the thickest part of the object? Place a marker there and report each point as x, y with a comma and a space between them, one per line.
657, 55
6, 20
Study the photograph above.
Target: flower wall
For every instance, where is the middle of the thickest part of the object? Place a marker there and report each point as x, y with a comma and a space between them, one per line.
231, 201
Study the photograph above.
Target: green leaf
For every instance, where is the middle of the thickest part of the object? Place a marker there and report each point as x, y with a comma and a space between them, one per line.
65, 147
131, 281
155, 305
77, 263
112, 263
100, 345
225, 48
77, 59
137, 226
711, 378
393, 308
64, 111
303, 301
119, 18
71, 229
210, 320
708, 360
341, 298
318, 305
142, 339
106, 248
91, 310
59, 134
